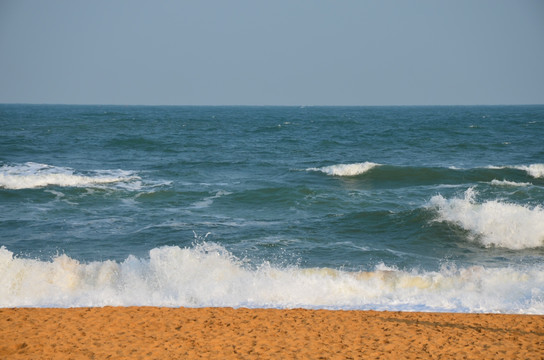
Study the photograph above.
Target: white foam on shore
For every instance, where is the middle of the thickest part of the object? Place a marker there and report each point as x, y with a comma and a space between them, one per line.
493, 223
346, 169
208, 275
33, 175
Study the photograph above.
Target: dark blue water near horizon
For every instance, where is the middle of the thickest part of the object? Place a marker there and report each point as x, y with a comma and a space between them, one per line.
412, 208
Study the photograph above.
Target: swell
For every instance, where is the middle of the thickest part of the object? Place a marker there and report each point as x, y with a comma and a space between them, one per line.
125, 143
391, 175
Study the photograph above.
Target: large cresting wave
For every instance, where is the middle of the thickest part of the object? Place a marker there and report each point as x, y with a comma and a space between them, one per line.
535, 170
493, 223
208, 275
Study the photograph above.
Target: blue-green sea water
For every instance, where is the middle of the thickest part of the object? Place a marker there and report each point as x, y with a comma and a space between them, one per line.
386, 208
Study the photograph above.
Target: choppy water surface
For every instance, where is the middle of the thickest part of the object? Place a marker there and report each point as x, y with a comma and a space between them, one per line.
397, 208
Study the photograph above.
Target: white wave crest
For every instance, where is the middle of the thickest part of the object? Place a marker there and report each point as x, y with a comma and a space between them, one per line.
33, 175
535, 170
496, 182
494, 223
208, 275
346, 169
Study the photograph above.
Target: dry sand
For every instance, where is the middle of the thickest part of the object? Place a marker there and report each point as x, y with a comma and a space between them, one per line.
217, 333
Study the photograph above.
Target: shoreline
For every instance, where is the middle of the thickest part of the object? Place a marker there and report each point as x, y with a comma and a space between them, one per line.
162, 333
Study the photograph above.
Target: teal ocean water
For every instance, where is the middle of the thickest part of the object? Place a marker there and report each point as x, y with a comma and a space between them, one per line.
385, 208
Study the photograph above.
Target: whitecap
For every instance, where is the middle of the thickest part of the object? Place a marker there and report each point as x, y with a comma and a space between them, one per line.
496, 182
32, 175
346, 169
534, 170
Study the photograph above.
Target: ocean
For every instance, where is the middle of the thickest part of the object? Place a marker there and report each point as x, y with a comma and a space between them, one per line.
373, 208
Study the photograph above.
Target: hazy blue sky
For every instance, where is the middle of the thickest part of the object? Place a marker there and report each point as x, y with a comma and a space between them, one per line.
280, 52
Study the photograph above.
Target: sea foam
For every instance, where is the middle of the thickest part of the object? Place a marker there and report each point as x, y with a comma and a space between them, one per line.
208, 275
494, 223
33, 175
346, 169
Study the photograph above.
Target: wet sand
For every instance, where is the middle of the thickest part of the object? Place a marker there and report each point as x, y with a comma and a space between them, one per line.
217, 333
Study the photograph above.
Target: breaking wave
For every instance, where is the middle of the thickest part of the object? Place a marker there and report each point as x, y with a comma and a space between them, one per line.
208, 275
534, 170
346, 169
496, 182
33, 175
493, 223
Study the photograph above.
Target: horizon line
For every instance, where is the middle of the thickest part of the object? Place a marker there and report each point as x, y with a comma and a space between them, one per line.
263, 105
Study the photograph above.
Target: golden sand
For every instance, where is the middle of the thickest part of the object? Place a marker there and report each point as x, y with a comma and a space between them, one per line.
219, 333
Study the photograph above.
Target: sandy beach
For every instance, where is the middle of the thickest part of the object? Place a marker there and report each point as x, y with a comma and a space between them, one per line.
185, 333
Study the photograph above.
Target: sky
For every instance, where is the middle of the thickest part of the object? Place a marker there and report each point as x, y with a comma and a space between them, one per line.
281, 52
